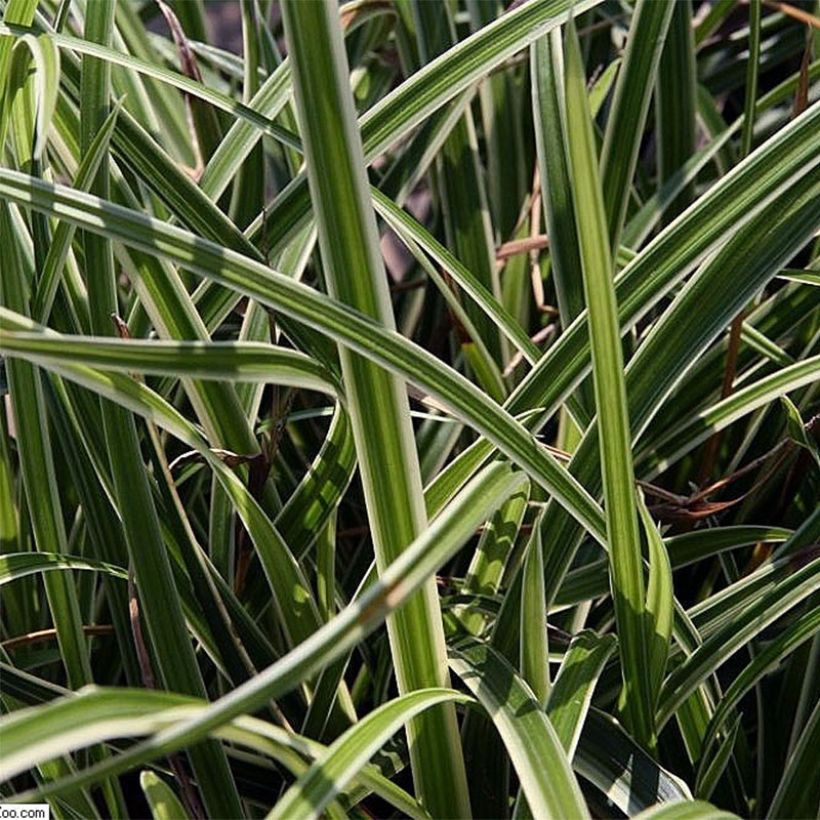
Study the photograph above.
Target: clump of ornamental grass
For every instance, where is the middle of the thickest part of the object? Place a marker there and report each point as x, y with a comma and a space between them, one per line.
413, 414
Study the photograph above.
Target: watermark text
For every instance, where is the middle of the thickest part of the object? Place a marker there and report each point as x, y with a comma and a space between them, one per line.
25, 811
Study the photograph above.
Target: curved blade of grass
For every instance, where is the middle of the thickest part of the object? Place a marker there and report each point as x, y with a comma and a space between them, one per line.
610, 392
230, 361
293, 749
19, 111
20, 564
127, 392
571, 694
592, 580
659, 600
331, 773
688, 548
312, 503
20, 12
534, 749
796, 428
682, 341
161, 798
720, 608
97, 51
685, 810
802, 630
611, 760
444, 537
318, 311
693, 431
798, 794
46, 61
110, 713
724, 642
407, 228
804, 277
452, 72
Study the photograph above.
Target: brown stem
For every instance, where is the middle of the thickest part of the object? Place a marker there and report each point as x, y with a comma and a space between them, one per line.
697, 506
801, 97
794, 12
535, 225
539, 337
50, 634
144, 659
713, 444
537, 242
258, 475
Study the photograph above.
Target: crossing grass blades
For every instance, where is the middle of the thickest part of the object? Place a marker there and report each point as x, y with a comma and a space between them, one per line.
414, 415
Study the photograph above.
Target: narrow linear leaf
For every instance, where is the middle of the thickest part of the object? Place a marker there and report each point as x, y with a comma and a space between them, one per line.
445, 536
534, 749
378, 405
610, 398
331, 773
534, 649
574, 685
162, 801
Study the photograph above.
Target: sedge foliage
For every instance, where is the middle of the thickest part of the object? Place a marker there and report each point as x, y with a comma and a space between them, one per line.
415, 415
